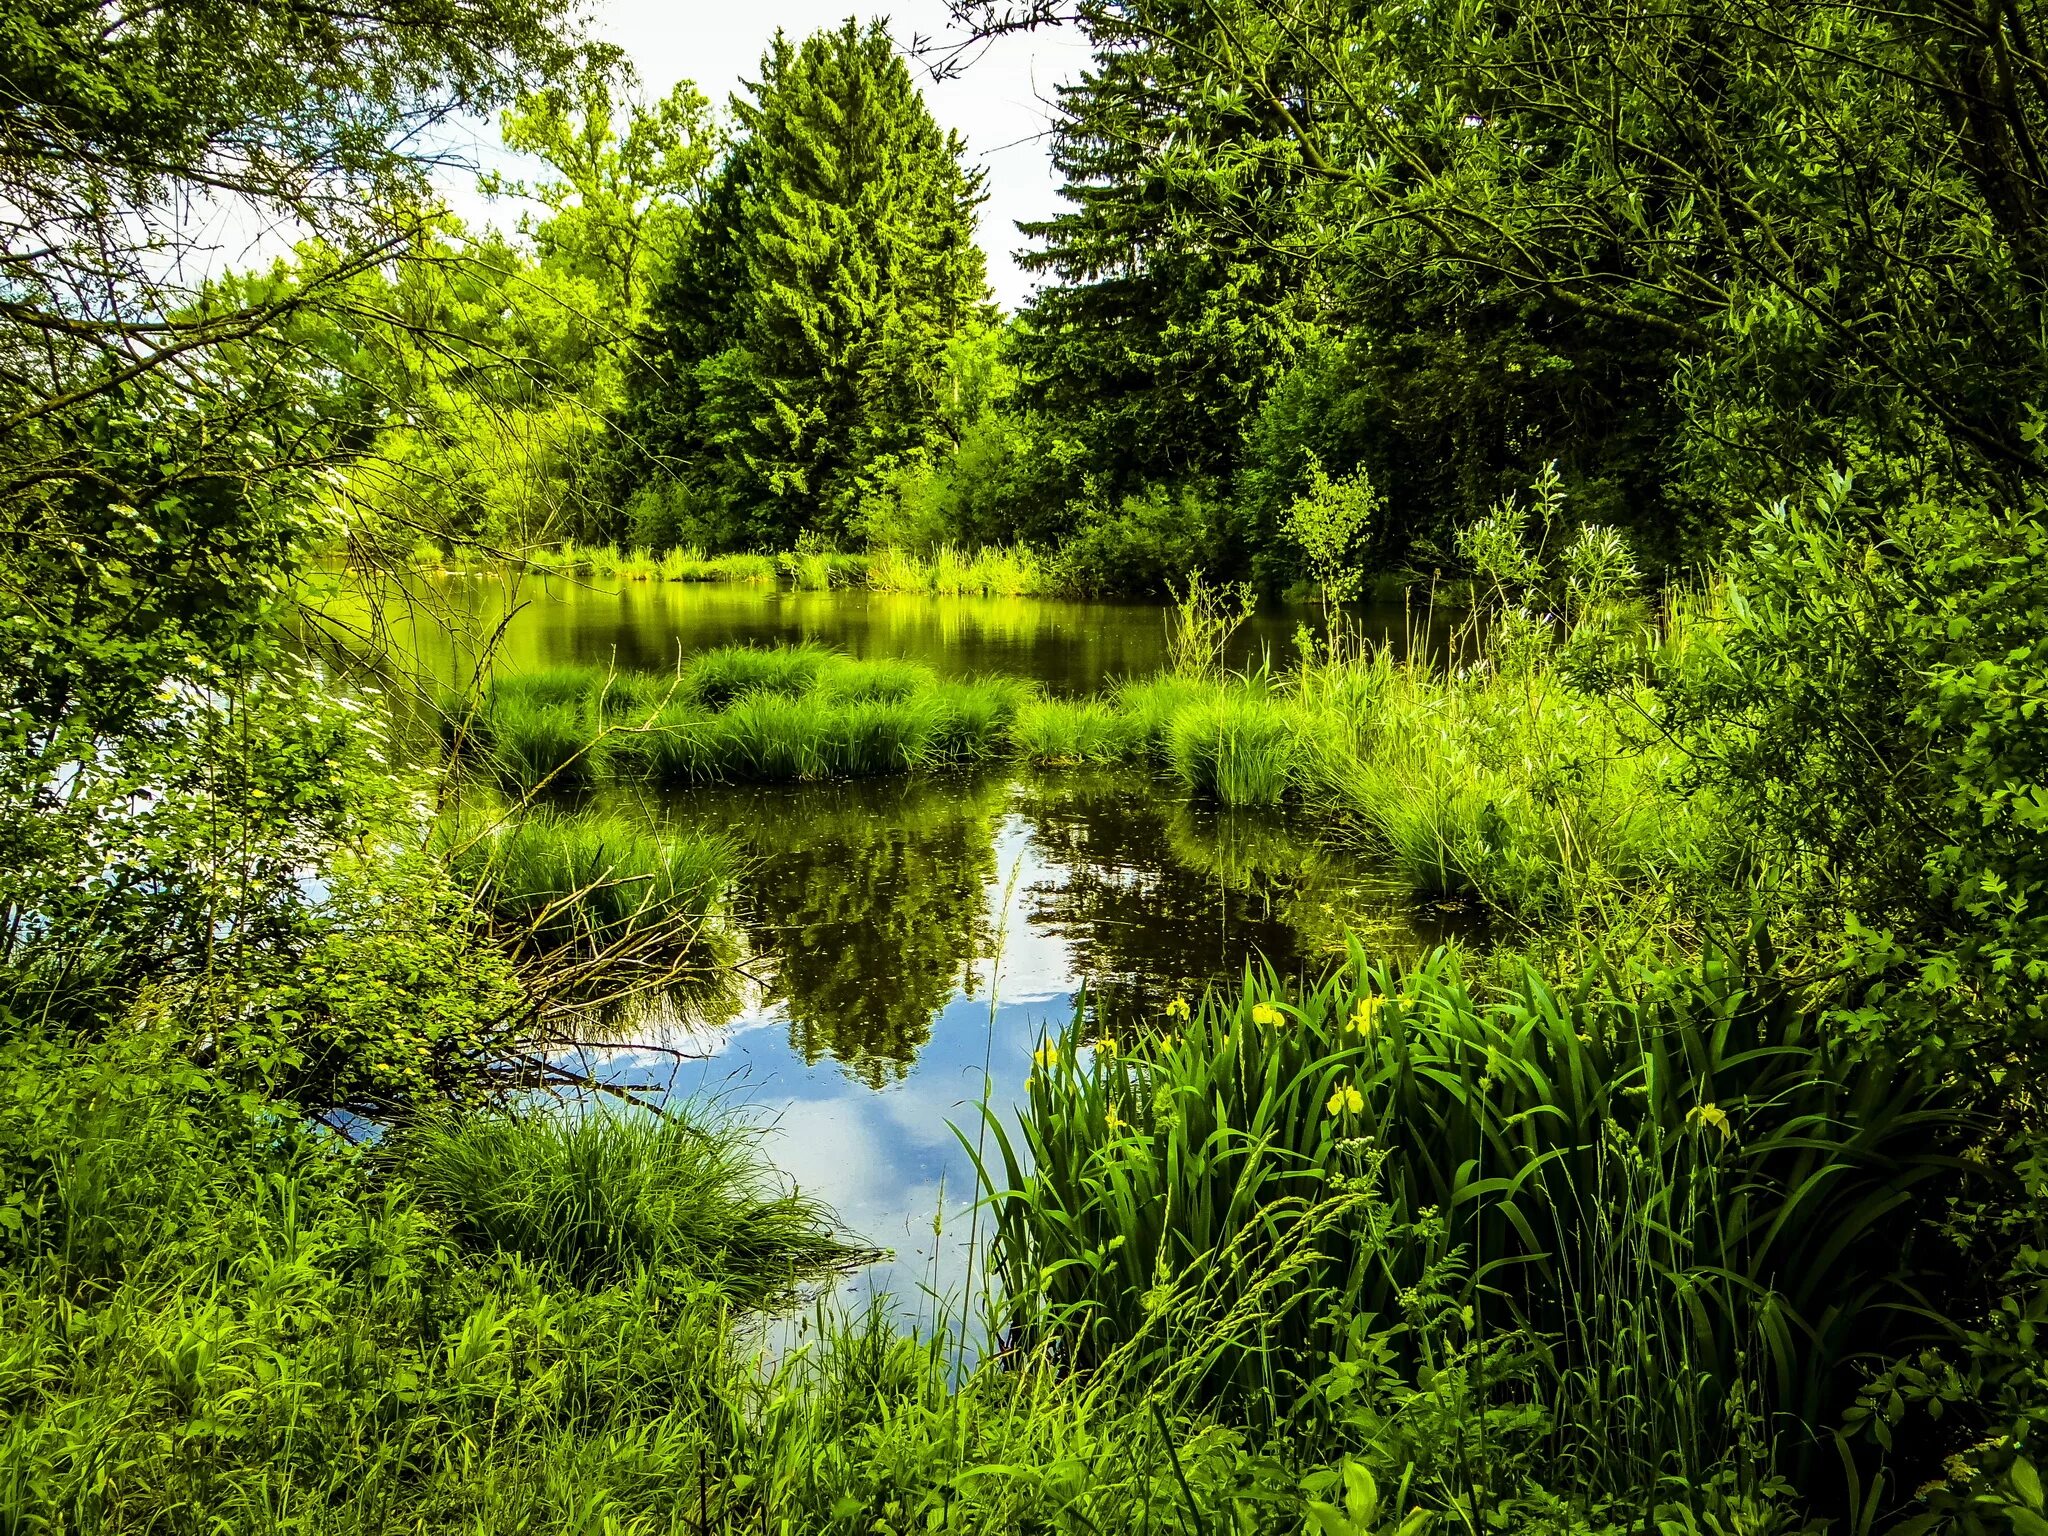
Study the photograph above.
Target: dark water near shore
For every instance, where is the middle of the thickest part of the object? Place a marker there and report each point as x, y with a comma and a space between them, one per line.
901, 946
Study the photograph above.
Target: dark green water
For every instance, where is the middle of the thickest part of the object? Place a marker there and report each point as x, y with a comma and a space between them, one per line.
903, 945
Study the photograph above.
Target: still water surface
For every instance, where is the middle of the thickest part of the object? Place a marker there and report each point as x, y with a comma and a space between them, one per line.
905, 944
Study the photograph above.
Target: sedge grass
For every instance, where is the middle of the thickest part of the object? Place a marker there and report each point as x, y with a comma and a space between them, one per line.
552, 880
606, 1194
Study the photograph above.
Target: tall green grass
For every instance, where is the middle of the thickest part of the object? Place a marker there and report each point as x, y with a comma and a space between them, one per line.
1514, 793
222, 1319
1670, 1203
1237, 750
949, 571
606, 1195
734, 714
716, 677
552, 880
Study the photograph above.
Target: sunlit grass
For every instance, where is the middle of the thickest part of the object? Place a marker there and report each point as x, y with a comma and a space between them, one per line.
607, 1194
1513, 794
949, 571
551, 880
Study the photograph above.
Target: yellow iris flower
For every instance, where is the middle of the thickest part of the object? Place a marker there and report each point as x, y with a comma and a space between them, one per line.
1347, 1100
1266, 1013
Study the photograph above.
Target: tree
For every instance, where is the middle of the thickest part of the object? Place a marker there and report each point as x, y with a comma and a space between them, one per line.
157, 437
626, 175
1778, 240
800, 336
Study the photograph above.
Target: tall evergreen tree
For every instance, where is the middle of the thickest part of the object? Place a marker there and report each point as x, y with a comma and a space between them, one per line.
799, 338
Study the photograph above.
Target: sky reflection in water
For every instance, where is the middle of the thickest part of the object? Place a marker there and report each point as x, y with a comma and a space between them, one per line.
904, 936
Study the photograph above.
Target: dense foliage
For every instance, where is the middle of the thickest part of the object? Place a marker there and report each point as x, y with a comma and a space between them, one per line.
798, 341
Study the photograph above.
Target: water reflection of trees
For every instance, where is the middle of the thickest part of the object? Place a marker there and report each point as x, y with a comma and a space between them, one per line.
870, 902
1156, 897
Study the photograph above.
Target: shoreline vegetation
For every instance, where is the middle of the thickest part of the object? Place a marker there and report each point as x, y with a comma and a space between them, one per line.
949, 570
1512, 792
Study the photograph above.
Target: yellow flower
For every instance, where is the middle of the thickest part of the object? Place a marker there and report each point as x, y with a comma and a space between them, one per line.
1177, 1009
1347, 1100
1700, 1116
1045, 1055
1266, 1013
1105, 1046
1115, 1121
1367, 1018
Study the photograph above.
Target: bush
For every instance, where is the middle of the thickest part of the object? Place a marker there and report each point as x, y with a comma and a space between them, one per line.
1141, 547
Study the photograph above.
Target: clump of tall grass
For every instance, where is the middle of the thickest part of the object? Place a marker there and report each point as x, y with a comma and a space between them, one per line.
1671, 1196
532, 745
598, 882
715, 678
819, 570
603, 1195
1013, 570
1066, 732
847, 680
1237, 749
692, 564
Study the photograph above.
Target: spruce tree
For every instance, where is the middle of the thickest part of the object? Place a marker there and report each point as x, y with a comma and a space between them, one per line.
799, 337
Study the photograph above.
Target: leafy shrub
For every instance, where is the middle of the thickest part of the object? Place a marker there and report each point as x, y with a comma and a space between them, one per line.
1142, 546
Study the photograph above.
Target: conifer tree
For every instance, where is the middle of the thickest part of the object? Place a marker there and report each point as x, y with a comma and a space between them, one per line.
799, 337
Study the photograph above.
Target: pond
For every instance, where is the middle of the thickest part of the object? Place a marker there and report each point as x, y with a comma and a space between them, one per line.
904, 944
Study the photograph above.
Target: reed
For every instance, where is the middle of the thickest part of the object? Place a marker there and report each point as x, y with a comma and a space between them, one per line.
976, 718
847, 680
536, 746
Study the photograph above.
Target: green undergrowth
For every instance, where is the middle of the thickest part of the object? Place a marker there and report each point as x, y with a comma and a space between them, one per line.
217, 1316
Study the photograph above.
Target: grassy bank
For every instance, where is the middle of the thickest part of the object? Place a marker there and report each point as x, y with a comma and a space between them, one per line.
1359, 1259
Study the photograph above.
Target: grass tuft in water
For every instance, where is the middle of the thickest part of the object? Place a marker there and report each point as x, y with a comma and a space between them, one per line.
607, 1194
1235, 749
595, 882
